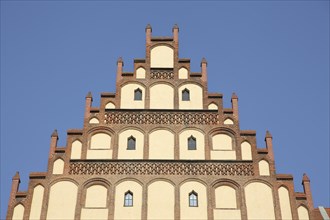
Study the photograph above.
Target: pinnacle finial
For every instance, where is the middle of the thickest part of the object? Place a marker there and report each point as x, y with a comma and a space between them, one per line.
89, 95
120, 60
148, 27
54, 134
234, 96
305, 177
204, 60
16, 176
175, 27
268, 134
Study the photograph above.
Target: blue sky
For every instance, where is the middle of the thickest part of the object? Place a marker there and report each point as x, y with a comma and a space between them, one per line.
273, 54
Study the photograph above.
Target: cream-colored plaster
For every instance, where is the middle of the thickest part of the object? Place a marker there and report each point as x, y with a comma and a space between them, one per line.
96, 196
246, 151
223, 155
222, 142
127, 97
76, 150
228, 121
225, 197
133, 212
303, 213
183, 73
94, 121
100, 141
36, 205
162, 57
199, 153
58, 166
94, 214
199, 212
18, 212
62, 201
161, 145
140, 73
227, 214
259, 201
123, 153
263, 168
110, 105
160, 201
99, 154
161, 97
285, 206
212, 106
196, 97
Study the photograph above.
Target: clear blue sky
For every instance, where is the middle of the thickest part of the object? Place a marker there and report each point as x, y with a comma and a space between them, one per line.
273, 54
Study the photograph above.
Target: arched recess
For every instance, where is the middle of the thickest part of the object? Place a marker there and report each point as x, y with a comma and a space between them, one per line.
303, 213
183, 73
259, 201
18, 213
160, 200
133, 212
212, 106
185, 153
94, 121
161, 144
246, 151
228, 121
263, 168
223, 146
161, 96
63, 197
76, 150
226, 203
58, 166
140, 73
100, 146
37, 200
285, 206
110, 105
196, 96
161, 57
199, 209
128, 99
123, 151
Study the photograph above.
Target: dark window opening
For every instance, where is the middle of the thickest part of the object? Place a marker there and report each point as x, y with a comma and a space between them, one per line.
128, 200
131, 142
138, 94
193, 199
192, 143
185, 95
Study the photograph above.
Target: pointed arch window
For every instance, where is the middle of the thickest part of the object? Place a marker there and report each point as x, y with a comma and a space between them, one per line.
192, 143
185, 95
138, 94
193, 199
131, 143
128, 199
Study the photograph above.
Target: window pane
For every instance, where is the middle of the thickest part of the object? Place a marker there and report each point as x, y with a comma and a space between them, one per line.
138, 94
185, 95
191, 143
131, 143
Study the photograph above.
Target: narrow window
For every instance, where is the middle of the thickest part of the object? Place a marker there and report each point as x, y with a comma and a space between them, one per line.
138, 94
193, 199
191, 143
128, 200
185, 95
131, 141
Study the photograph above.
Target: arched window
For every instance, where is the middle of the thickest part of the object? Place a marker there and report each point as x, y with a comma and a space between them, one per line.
185, 95
192, 143
131, 141
193, 199
138, 94
128, 200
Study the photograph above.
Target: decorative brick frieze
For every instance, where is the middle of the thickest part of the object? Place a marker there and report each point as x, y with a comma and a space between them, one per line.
161, 74
160, 168
161, 117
